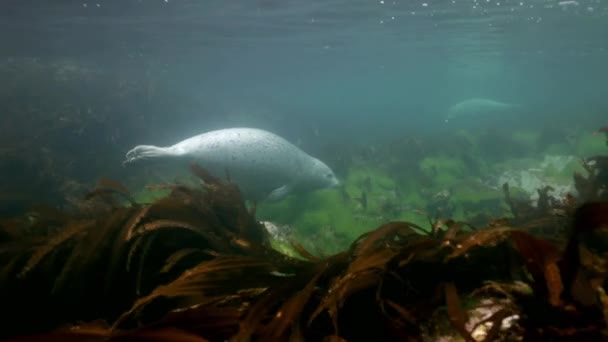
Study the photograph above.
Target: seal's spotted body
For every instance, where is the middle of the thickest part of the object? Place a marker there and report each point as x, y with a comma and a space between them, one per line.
477, 107
263, 164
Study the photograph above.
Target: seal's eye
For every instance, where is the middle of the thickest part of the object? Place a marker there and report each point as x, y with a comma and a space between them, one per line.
328, 175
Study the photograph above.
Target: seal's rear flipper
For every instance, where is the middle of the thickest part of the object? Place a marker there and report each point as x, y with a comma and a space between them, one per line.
278, 193
146, 151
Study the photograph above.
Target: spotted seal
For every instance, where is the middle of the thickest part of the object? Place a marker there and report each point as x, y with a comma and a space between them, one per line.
264, 165
474, 107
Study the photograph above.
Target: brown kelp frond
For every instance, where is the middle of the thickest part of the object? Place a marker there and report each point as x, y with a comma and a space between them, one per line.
106, 188
392, 232
288, 314
484, 238
593, 186
233, 214
95, 334
589, 232
208, 280
27, 242
541, 259
283, 307
88, 250
61, 336
303, 252
524, 210
205, 176
369, 257
134, 221
457, 316
129, 251
196, 265
96, 331
276, 301
176, 258
163, 224
562, 284
69, 233
454, 229
165, 334
404, 318
210, 321
40, 221
337, 293
11, 229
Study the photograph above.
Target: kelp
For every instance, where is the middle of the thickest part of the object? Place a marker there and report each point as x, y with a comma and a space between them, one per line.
110, 254
197, 266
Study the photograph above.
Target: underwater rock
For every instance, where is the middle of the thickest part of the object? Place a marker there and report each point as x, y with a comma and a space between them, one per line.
480, 323
279, 232
529, 176
440, 205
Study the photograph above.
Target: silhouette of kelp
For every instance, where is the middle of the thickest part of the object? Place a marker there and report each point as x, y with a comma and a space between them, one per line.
197, 266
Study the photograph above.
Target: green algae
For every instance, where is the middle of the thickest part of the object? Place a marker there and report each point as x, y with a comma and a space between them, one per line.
591, 145
328, 220
564, 173
471, 197
340, 212
472, 190
285, 248
334, 217
358, 176
313, 211
416, 218
559, 149
467, 136
146, 196
527, 139
443, 170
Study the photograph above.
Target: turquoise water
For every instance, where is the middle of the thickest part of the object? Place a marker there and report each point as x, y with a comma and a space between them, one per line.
85, 81
324, 64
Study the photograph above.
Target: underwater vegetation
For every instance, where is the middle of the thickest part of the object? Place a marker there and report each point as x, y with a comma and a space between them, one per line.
193, 262
196, 265
64, 122
447, 178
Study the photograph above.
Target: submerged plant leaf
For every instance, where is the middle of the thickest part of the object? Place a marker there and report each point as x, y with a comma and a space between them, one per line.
457, 316
165, 334
288, 314
176, 257
54, 243
541, 259
483, 238
303, 252
207, 280
104, 182
195, 265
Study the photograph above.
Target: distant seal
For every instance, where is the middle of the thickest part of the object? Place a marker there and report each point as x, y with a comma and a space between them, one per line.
264, 165
474, 107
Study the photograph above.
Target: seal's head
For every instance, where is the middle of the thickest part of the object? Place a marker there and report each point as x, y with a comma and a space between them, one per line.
322, 176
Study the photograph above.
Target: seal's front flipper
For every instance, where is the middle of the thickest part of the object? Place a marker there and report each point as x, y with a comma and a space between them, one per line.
278, 193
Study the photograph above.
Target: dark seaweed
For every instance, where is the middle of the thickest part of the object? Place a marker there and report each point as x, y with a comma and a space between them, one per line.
197, 266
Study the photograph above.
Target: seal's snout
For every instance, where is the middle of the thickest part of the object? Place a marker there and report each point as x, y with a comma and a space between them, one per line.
335, 183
